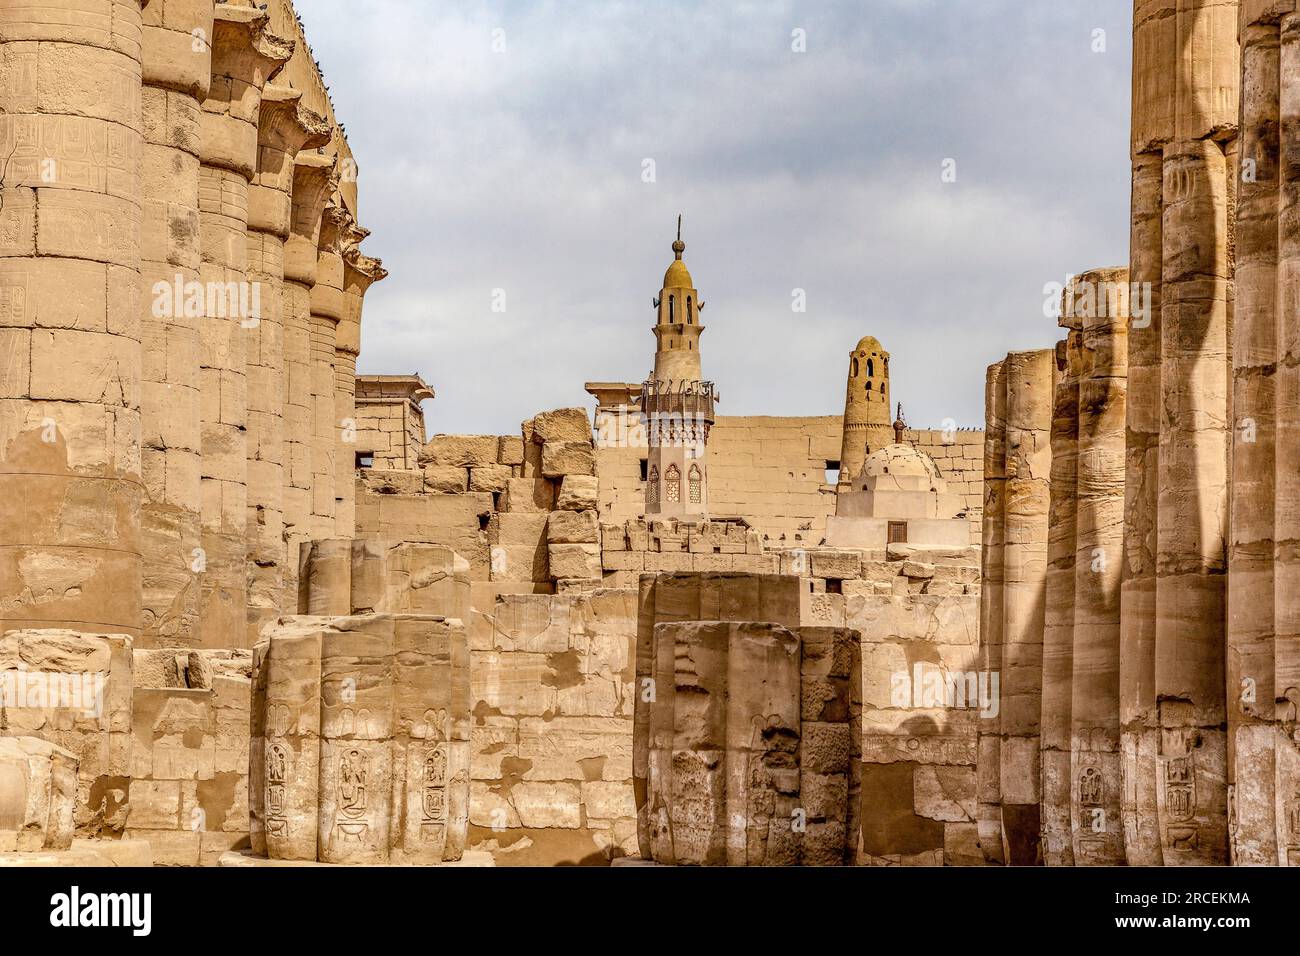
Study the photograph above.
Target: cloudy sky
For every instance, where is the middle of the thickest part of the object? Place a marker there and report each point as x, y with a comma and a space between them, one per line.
503, 146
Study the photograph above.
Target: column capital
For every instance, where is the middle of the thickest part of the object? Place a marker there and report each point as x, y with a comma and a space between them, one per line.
315, 180
285, 124
244, 48
362, 271
335, 222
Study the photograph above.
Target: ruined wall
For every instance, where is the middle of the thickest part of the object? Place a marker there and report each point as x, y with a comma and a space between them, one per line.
190, 723
519, 509
772, 471
922, 693
551, 764
390, 421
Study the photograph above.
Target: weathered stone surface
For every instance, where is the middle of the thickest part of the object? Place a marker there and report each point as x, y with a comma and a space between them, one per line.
573, 560
578, 493
798, 802
561, 425
38, 791
446, 479
460, 451
567, 458
367, 738
572, 527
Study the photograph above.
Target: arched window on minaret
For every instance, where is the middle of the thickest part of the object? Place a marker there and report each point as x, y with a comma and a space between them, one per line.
672, 484
853, 367
871, 369
690, 311
672, 309
882, 388
652, 488
695, 482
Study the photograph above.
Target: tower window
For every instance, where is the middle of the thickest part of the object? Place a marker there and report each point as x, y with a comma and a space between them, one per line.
853, 367
690, 311
644, 465
672, 309
832, 472
652, 489
672, 484
882, 388
696, 484
871, 369
897, 532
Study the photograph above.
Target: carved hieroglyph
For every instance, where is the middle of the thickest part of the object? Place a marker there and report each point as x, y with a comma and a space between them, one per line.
365, 750
754, 742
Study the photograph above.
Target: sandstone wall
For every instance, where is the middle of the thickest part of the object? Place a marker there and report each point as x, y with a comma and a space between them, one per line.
551, 765
772, 471
190, 724
922, 693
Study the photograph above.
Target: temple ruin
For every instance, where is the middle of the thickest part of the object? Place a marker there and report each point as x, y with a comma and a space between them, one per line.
253, 613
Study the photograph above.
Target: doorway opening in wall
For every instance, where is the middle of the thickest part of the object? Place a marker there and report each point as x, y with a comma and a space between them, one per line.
645, 469
832, 472
365, 459
897, 533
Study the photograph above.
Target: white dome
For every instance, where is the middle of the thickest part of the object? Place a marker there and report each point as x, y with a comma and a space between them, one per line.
902, 467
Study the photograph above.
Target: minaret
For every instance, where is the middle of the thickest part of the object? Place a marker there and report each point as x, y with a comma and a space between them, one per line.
678, 406
866, 408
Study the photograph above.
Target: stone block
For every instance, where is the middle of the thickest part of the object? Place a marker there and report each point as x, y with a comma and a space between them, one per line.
446, 479
510, 450
562, 425
574, 561
489, 478
463, 451
578, 493
528, 495
572, 527
568, 458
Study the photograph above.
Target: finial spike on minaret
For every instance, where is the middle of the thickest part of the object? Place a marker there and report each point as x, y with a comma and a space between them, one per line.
678, 246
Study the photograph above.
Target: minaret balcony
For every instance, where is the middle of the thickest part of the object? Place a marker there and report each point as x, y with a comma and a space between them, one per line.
687, 400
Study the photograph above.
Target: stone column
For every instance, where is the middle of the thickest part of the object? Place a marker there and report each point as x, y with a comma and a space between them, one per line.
1058, 618
359, 272
285, 126
1155, 73
1140, 734
1100, 299
244, 57
1286, 651
1250, 690
326, 311
313, 183
70, 493
1026, 495
1191, 529
988, 780
177, 63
